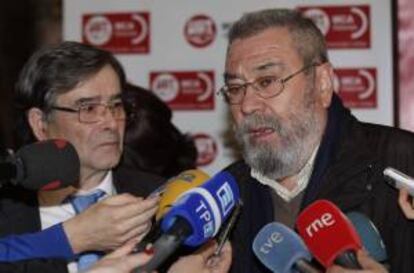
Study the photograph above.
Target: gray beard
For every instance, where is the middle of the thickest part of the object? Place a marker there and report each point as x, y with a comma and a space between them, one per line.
296, 137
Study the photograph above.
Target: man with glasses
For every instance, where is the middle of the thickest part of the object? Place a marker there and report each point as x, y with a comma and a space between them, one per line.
299, 142
74, 91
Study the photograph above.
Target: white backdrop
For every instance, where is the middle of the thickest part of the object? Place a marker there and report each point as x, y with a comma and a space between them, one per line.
177, 49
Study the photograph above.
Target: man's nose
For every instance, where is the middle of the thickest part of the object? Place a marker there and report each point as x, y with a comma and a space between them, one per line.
251, 102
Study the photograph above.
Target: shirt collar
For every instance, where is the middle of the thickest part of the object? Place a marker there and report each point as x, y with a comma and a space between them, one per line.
302, 179
52, 198
106, 185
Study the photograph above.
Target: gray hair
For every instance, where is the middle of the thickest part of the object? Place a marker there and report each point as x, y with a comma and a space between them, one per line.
308, 41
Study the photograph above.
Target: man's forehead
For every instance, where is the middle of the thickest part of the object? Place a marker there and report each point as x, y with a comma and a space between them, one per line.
256, 68
76, 98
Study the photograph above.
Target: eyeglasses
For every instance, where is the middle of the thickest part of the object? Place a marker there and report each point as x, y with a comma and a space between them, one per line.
93, 112
267, 87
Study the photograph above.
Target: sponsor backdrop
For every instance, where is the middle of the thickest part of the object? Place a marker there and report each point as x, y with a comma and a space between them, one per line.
177, 48
406, 63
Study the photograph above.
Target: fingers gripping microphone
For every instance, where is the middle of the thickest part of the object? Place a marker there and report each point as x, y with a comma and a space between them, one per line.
281, 250
399, 180
371, 239
329, 235
195, 217
45, 165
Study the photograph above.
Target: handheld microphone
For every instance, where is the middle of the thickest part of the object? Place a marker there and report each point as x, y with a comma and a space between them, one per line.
45, 165
370, 237
176, 186
195, 217
281, 250
170, 192
399, 180
329, 235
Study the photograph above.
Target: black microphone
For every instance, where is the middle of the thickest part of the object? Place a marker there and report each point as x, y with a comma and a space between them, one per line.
45, 165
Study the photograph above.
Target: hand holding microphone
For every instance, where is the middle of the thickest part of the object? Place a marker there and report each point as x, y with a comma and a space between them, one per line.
368, 264
169, 193
334, 242
195, 217
405, 184
370, 236
204, 260
281, 250
329, 235
111, 223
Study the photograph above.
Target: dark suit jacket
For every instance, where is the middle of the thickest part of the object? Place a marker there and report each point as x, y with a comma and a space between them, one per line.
19, 213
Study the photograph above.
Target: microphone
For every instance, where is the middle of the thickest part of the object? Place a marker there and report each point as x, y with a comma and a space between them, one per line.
176, 186
45, 165
281, 250
329, 235
195, 217
399, 180
371, 239
170, 192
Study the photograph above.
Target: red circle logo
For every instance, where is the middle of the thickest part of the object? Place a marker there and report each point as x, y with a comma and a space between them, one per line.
206, 149
200, 30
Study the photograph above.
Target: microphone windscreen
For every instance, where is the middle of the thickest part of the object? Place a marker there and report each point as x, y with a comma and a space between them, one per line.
48, 165
205, 208
327, 232
370, 236
178, 185
279, 248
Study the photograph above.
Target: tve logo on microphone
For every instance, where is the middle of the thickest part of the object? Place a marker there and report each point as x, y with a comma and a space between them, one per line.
326, 220
272, 240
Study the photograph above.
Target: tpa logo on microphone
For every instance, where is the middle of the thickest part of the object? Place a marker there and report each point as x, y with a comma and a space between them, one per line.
342, 26
204, 213
184, 90
226, 198
357, 87
118, 32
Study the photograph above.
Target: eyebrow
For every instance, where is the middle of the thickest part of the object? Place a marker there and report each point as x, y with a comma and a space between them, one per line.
262, 67
86, 100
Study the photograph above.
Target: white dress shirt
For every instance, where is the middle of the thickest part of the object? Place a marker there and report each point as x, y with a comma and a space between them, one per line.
302, 180
54, 210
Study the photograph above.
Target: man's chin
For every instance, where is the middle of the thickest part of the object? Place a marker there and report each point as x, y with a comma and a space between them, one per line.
108, 163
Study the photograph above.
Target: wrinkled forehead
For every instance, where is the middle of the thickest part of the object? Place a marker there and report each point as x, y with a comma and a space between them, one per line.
270, 49
102, 87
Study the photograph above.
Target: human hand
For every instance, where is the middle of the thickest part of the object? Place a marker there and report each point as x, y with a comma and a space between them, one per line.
111, 223
368, 264
204, 262
120, 261
406, 203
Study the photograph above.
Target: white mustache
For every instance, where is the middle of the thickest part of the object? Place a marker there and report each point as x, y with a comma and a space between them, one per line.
255, 121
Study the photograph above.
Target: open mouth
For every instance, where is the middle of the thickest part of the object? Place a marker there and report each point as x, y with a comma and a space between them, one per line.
262, 132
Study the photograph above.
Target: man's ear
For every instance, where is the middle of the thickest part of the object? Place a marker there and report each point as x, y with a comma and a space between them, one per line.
37, 123
325, 83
